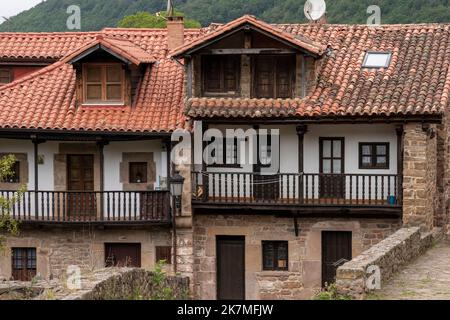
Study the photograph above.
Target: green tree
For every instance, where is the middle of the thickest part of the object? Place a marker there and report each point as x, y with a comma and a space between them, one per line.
144, 19
8, 226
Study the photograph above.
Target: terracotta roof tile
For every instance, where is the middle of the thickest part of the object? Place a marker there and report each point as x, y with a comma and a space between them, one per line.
417, 81
123, 48
298, 40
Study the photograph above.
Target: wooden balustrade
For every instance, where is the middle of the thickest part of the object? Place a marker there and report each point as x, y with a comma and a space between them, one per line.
304, 189
72, 206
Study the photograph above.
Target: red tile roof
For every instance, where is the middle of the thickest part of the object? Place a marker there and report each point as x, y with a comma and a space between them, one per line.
124, 48
297, 40
46, 100
416, 83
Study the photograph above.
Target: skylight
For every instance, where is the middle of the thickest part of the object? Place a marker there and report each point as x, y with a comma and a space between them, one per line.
377, 60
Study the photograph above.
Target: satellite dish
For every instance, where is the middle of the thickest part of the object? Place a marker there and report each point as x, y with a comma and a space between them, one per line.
315, 9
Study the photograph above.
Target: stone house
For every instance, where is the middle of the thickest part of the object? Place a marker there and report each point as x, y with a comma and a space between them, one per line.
347, 125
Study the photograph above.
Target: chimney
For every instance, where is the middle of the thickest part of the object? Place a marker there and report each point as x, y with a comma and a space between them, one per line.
175, 32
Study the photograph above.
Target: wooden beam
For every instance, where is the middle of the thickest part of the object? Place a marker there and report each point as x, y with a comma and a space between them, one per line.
189, 71
249, 51
400, 149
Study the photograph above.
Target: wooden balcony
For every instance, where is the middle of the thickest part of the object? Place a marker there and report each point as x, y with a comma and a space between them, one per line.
301, 191
103, 208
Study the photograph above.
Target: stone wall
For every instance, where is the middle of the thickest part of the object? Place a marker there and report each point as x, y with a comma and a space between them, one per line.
420, 196
103, 284
389, 255
443, 172
128, 284
58, 248
303, 279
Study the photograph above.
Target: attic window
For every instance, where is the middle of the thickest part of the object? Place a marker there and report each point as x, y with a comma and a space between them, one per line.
377, 60
103, 83
5, 76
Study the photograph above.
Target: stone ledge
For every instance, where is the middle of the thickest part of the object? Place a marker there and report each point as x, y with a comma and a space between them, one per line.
389, 255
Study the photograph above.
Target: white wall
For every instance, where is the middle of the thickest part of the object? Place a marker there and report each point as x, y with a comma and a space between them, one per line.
352, 134
112, 154
113, 158
47, 150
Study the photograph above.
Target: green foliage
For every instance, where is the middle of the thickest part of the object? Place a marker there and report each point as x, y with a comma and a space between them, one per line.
7, 224
160, 289
97, 14
331, 293
146, 20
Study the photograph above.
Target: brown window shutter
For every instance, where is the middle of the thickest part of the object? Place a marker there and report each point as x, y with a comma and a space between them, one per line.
264, 77
163, 253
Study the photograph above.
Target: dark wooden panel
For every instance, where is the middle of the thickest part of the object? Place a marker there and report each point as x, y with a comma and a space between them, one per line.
336, 245
80, 177
230, 268
332, 160
123, 255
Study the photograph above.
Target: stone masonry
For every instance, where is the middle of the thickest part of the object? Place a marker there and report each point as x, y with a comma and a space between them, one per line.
303, 279
420, 198
389, 255
58, 248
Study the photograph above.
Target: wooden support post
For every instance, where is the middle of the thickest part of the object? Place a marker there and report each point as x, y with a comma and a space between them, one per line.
301, 131
101, 146
36, 142
400, 149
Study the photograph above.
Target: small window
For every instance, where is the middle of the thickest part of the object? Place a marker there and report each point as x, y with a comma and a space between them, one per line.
138, 172
221, 75
374, 155
229, 155
103, 83
23, 263
163, 253
377, 60
14, 177
5, 76
273, 77
275, 255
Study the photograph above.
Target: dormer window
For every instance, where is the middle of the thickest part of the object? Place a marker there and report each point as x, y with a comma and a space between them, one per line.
221, 75
274, 76
103, 83
377, 60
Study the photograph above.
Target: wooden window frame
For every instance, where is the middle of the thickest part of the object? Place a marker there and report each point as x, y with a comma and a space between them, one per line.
137, 163
25, 270
163, 253
332, 157
221, 93
276, 245
10, 75
373, 165
103, 83
15, 177
291, 76
224, 154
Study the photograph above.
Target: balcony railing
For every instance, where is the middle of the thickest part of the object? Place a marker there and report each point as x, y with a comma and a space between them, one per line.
112, 207
297, 189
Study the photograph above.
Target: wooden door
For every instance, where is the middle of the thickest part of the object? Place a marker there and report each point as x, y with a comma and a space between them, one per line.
123, 255
80, 181
230, 268
331, 181
336, 250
